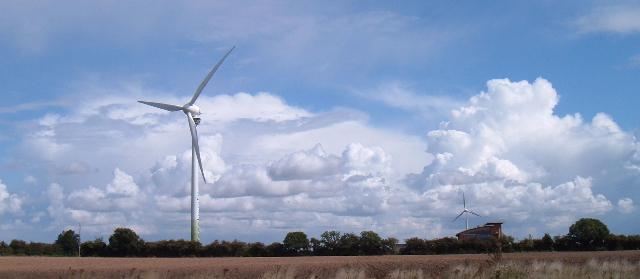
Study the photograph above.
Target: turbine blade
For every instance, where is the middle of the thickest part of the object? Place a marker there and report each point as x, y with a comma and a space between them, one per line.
458, 216
162, 106
194, 140
207, 78
464, 201
476, 214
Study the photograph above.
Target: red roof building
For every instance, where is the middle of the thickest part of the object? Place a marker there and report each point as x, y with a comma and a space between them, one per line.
488, 231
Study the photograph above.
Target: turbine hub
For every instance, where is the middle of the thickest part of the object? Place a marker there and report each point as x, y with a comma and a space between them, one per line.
194, 110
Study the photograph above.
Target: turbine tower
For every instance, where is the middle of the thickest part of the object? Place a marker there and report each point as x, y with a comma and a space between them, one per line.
193, 116
465, 210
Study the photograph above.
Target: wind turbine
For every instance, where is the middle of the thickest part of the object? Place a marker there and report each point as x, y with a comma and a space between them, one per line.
465, 210
193, 116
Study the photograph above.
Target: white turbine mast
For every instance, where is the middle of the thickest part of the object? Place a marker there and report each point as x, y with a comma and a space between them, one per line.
193, 116
465, 210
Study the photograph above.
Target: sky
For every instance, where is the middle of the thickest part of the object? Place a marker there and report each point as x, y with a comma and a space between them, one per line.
328, 115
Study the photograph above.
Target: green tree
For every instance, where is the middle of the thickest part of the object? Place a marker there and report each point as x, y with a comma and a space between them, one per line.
256, 249
547, 242
68, 241
589, 233
330, 240
348, 245
4, 249
296, 243
415, 246
124, 242
370, 243
275, 249
95, 248
389, 245
18, 247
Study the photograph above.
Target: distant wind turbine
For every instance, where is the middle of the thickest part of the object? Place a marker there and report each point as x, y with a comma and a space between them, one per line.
193, 116
465, 210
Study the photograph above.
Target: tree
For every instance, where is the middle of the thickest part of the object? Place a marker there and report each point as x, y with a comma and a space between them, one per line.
547, 242
275, 249
95, 248
389, 245
4, 249
296, 243
68, 241
370, 243
124, 242
18, 247
589, 233
329, 243
256, 249
317, 249
348, 245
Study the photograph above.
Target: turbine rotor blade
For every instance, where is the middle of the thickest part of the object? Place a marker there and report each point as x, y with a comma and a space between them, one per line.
458, 216
162, 106
476, 214
207, 78
194, 140
464, 201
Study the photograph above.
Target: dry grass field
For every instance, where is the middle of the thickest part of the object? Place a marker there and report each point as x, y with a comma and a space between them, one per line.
625, 264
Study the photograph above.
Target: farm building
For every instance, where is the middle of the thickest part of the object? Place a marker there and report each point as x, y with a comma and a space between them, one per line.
489, 230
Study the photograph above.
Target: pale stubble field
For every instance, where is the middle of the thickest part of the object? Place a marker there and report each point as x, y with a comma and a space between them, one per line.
623, 264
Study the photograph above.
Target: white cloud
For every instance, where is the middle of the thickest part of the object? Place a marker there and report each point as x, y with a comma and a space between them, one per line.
626, 206
122, 184
511, 133
306, 164
507, 149
287, 168
399, 95
621, 19
9, 202
260, 107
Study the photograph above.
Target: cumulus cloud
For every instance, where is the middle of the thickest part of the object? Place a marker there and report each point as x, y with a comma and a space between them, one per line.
122, 184
306, 164
511, 133
121, 194
519, 161
9, 202
287, 168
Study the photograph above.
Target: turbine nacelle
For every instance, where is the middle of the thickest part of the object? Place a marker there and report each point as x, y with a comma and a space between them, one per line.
193, 109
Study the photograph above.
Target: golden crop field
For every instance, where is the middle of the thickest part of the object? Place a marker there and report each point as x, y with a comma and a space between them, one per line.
624, 264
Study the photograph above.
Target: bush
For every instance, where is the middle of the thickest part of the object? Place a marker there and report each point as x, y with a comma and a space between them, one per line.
173, 248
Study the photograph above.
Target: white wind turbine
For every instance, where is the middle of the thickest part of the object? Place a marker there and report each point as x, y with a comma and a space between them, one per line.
465, 210
193, 116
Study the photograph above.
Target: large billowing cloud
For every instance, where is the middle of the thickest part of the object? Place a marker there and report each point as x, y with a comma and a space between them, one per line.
273, 167
518, 161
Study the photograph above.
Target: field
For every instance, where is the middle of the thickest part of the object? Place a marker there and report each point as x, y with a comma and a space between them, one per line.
625, 264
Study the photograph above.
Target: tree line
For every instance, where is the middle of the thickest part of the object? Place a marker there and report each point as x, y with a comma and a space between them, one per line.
124, 242
585, 234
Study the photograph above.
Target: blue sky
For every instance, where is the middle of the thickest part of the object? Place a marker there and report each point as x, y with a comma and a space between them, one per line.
376, 109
